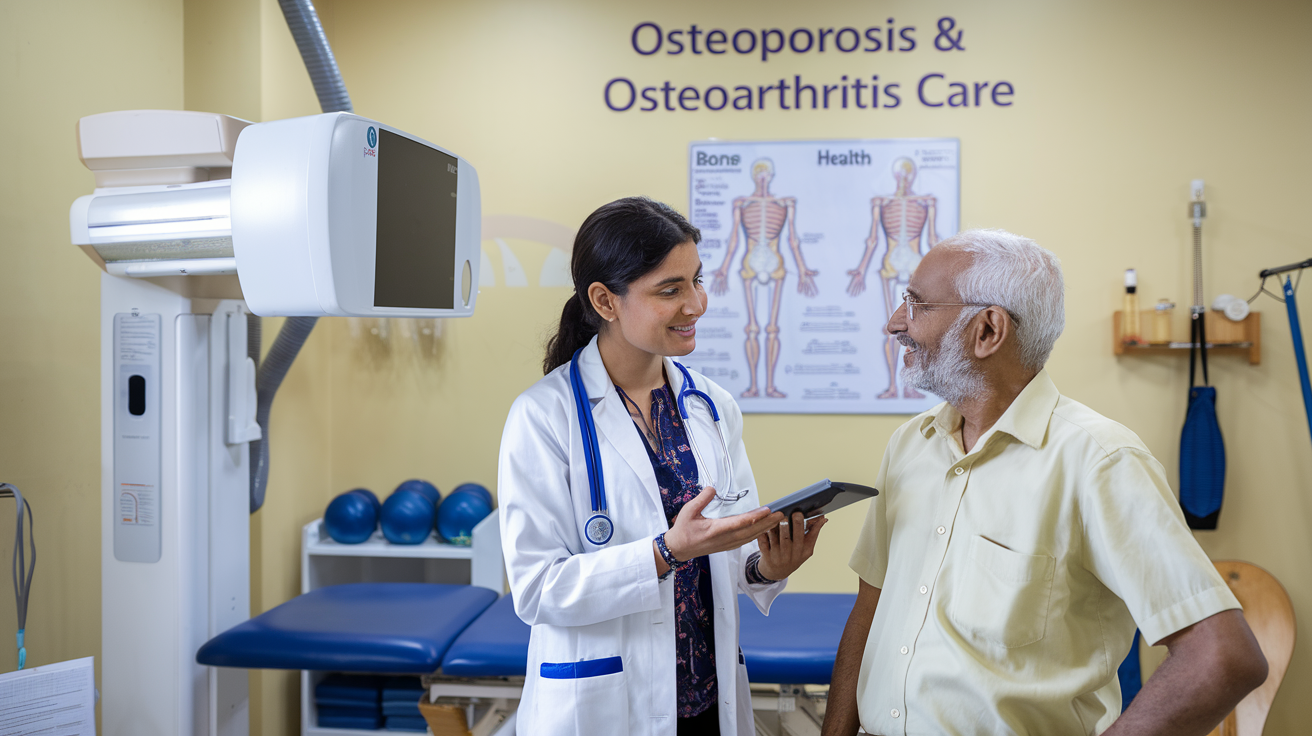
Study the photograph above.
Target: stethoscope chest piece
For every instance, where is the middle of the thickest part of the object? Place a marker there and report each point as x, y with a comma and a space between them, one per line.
598, 529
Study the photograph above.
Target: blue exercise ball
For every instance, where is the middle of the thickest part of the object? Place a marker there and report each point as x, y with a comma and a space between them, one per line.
422, 486
477, 489
459, 514
365, 492
350, 518
407, 517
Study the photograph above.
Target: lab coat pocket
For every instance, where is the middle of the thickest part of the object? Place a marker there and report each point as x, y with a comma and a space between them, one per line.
1002, 595
583, 698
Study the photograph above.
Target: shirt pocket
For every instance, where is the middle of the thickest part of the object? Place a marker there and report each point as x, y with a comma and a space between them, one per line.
584, 698
1004, 595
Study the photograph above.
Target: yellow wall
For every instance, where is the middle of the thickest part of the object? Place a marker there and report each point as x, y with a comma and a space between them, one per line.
1117, 107
60, 61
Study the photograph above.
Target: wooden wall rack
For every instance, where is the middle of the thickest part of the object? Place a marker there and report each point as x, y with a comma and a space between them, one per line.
1224, 337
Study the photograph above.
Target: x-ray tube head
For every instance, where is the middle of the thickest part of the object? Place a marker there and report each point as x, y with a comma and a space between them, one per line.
336, 214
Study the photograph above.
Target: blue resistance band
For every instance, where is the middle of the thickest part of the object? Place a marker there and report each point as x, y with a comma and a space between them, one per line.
1130, 674
1291, 305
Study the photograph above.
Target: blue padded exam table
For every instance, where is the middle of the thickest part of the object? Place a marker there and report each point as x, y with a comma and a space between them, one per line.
471, 644
495, 645
399, 628
468, 632
795, 644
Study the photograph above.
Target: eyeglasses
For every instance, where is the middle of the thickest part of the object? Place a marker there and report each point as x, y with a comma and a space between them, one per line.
912, 305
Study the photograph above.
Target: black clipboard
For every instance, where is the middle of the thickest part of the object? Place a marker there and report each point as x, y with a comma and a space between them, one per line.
822, 498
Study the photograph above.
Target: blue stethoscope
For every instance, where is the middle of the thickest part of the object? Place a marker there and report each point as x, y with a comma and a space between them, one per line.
598, 529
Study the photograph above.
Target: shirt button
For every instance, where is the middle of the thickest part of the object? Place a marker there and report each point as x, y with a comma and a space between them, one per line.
941, 530
905, 650
895, 713
959, 471
923, 590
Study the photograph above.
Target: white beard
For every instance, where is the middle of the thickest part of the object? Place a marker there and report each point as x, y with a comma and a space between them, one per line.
948, 371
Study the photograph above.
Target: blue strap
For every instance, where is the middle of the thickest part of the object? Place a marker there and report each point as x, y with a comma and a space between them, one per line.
1202, 460
690, 389
579, 670
1291, 306
22, 650
591, 452
1129, 674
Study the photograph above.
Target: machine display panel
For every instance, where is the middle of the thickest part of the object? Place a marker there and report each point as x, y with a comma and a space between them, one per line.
416, 237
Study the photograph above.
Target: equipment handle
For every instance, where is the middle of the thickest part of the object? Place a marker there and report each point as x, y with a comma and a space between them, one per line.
1282, 269
1198, 342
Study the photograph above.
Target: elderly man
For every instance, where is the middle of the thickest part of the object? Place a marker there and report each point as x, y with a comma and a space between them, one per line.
1019, 537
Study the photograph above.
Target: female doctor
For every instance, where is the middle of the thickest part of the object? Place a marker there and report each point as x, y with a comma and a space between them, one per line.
632, 593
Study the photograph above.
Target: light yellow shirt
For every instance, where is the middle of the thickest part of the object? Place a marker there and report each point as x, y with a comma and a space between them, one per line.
1012, 576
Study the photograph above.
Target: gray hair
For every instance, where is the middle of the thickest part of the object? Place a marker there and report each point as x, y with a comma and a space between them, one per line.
1019, 275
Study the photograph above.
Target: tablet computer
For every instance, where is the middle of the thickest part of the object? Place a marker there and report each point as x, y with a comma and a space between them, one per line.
822, 498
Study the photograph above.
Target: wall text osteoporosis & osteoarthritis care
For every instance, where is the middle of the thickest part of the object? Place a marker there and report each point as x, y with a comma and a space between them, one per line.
795, 91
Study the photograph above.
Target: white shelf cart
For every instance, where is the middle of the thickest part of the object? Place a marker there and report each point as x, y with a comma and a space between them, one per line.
325, 562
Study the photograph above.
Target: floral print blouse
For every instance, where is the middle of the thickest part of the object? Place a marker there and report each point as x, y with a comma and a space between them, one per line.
676, 476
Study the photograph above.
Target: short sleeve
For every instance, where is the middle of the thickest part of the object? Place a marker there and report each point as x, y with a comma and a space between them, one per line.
870, 558
1137, 544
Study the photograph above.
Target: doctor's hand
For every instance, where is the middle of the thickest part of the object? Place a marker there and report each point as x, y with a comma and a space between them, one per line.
694, 535
785, 547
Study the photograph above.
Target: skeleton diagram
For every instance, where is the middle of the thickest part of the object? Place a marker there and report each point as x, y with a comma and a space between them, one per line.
904, 217
761, 218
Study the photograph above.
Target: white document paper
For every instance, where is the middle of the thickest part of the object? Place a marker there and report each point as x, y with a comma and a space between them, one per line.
54, 700
860, 214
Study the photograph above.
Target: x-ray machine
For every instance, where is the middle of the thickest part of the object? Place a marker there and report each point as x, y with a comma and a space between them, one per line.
198, 220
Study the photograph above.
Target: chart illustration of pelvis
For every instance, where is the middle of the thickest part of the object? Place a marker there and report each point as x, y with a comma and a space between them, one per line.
809, 247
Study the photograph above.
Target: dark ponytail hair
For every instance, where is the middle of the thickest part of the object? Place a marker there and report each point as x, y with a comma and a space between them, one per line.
618, 244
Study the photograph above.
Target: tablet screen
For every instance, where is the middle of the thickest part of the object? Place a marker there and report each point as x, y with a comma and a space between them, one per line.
822, 498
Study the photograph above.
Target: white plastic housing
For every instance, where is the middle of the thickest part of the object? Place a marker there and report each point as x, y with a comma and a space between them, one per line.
129, 227
141, 147
307, 231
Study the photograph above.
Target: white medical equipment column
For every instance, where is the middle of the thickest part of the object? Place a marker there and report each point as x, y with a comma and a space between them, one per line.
175, 533
231, 428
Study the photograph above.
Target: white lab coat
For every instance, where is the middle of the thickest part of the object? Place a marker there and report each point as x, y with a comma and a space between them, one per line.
586, 602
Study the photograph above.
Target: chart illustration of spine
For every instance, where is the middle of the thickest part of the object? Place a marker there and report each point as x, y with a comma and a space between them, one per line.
814, 325
903, 218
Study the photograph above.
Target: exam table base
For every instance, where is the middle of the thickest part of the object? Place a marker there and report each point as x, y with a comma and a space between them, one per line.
789, 710
779, 710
